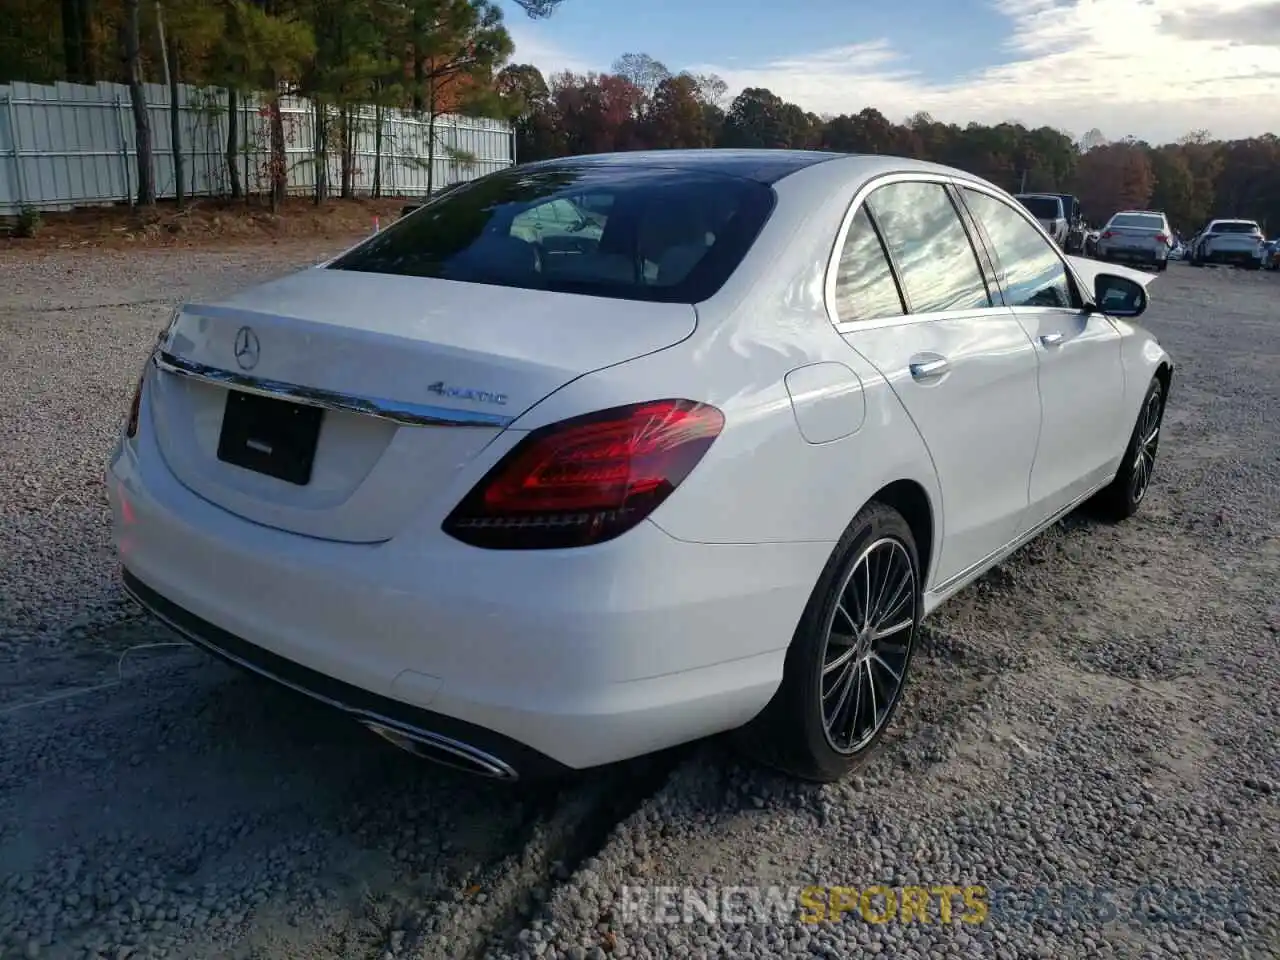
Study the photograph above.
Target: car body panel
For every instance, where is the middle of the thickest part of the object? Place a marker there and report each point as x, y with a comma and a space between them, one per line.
407, 344
680, 627
1081, 384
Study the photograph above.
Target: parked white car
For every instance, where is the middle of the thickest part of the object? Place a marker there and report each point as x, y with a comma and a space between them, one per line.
1138, 237
1237, 242
526, 505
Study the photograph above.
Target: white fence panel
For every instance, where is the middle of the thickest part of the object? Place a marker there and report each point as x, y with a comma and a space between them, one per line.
69, 145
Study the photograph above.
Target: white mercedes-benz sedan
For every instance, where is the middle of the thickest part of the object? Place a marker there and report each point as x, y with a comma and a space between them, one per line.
596, 456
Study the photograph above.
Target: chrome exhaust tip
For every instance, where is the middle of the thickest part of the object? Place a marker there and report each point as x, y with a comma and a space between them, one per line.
443, 750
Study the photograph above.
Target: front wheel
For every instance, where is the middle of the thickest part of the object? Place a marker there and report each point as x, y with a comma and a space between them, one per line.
1124, 495
849, 659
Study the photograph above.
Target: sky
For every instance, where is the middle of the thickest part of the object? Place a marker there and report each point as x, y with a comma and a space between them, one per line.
1153, 69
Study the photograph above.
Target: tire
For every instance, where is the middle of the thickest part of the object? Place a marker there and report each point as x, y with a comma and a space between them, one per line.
1162, 266
793, 733
1121, 499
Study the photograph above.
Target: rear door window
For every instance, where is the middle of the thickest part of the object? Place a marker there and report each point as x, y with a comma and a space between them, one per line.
633, 232
930, 246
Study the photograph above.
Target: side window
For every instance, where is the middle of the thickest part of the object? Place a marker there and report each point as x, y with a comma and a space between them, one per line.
1035, 275
929, 244
865, 288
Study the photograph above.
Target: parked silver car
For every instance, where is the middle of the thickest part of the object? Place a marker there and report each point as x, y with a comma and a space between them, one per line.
1138, 237
1048, 208
1237, 242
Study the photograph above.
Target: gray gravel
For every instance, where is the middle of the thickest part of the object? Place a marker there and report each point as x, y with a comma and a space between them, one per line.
1089, 735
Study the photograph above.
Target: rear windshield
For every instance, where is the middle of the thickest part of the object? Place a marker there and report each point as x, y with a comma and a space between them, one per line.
1234, 226
1138, 221
1042, 208
631, 232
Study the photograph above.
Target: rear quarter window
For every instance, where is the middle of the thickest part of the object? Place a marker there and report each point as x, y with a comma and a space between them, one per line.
631, 232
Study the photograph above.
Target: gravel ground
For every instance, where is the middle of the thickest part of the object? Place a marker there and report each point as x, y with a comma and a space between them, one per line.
1088, 737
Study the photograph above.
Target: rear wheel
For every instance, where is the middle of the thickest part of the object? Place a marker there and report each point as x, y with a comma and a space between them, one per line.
849, 660
1122, 498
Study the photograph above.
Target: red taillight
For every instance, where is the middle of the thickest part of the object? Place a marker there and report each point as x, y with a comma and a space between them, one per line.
1107, 234
1161, 238
588, 479
135, 405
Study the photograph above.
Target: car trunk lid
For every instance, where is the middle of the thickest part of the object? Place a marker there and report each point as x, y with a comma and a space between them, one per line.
401, 382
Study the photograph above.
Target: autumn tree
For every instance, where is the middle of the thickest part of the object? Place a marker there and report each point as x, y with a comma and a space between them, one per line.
1174, 191
1115, 177
642, 71
868, 131
270, 44
527, 104
677, 116
757, 118
598, 112
191, 32
458, 45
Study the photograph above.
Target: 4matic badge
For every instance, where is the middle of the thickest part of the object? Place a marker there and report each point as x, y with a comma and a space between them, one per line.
466, 393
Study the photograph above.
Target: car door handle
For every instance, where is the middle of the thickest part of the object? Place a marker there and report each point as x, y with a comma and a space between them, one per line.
928, 368
1051, 340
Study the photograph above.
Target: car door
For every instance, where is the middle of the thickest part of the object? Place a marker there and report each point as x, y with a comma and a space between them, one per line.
1081, 377
911, 298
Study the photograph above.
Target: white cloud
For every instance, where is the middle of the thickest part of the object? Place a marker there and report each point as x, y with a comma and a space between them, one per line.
534, 46
1140, 67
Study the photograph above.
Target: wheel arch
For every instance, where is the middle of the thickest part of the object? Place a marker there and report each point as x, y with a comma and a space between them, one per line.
911, 500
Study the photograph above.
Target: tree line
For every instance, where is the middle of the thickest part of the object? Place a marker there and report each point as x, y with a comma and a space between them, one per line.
452, 56
640, 104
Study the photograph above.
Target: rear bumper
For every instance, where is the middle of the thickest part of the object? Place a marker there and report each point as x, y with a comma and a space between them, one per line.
540, 659
464, 745
1131, 254
1241, 257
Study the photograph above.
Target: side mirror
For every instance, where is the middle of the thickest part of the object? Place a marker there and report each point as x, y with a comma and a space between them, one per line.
1119, 296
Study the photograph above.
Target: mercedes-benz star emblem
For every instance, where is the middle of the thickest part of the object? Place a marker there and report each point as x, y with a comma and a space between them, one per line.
247, 348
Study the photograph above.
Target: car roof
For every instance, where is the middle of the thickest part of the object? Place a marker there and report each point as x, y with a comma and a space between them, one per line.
763, 166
